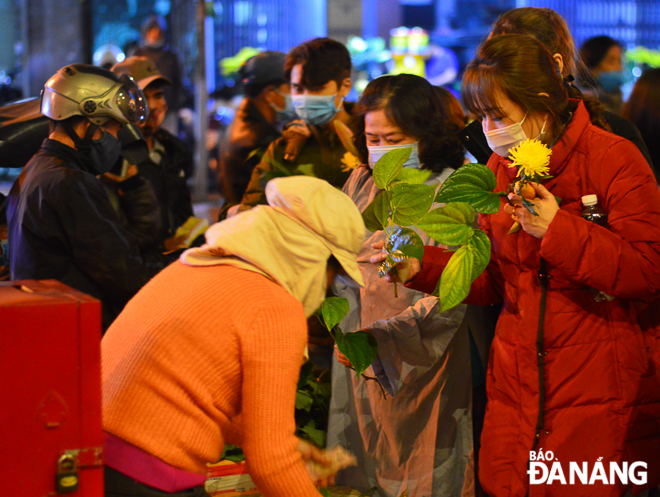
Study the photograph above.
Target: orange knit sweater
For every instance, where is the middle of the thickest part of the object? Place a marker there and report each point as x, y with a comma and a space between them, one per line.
204, 355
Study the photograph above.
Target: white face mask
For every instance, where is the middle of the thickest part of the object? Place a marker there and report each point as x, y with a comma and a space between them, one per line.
502, 140
375, 153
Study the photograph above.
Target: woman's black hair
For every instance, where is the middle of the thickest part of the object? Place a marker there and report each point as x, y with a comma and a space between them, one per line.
594, 50
427, 113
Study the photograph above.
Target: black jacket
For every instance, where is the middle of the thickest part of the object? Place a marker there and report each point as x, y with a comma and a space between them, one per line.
138, 210
62, 226
167, 177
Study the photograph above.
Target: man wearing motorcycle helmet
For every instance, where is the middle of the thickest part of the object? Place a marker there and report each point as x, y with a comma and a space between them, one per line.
61, 224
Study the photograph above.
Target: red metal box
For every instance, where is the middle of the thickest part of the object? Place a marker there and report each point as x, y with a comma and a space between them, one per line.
50, 391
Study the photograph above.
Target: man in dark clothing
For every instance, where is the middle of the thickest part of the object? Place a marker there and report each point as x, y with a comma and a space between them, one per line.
169, 159
61, 224
154, 47
266, 105
319, 71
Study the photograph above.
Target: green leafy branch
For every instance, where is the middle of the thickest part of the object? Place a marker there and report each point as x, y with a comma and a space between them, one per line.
406, 201
359, 347
311, 412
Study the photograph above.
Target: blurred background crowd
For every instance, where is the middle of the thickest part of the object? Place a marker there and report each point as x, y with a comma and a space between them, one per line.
200, 46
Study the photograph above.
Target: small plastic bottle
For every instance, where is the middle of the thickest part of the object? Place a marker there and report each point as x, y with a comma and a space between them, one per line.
593, 212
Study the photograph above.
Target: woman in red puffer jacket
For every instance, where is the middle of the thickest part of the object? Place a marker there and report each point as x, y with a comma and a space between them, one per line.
568, 375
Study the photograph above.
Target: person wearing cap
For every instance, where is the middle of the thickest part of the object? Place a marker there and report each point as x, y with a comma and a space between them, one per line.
169, 162
319, 72
217, 361
154, 46
258, 120
61, 224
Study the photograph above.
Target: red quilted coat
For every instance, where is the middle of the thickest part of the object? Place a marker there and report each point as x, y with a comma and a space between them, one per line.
583, 387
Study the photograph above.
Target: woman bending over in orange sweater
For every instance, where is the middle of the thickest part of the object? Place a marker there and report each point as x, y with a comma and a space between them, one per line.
210, 350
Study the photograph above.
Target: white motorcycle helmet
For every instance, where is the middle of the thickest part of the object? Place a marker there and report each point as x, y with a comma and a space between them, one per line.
94, 93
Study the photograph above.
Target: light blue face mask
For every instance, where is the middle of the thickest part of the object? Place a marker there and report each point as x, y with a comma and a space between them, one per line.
287, 113
316, 110
611, 81
375, 153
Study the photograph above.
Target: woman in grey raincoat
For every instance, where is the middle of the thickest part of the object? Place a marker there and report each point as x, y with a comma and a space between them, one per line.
416, 439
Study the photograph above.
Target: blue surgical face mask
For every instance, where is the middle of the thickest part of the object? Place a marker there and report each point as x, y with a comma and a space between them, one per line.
287, 113
611, 81
375, 153
316, 110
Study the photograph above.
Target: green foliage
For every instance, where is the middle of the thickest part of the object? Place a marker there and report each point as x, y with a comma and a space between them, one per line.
464, 266
390, 166
410, 202
304, 400
376, 213
642, 55
359, 347
232, 453
473, 184
449, 225
312, 408
407, 201
312, 433
333, 310
312, 404
413, 176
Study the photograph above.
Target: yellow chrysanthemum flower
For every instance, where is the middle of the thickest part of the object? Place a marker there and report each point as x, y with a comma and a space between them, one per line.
531, 157
349, 162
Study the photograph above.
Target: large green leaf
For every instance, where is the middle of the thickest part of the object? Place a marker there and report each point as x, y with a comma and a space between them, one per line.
333, 310
377, 212
411, 202
304, 401
313, 434
389, 166
405, 243
413, 176
371, 222
382, 207
477, 174
479, 244
359, 347
456, 279
472, 183
482, 201
449, 225
465, 266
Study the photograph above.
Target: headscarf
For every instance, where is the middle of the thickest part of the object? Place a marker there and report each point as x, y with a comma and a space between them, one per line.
290, 240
